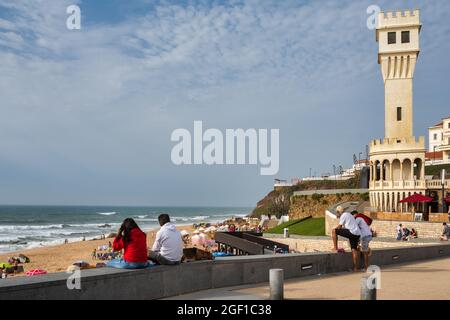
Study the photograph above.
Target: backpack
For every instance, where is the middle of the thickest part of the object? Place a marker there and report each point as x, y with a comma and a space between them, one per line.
367, 219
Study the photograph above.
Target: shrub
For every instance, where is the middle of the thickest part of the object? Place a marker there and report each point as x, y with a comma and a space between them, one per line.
365, 196
317, 196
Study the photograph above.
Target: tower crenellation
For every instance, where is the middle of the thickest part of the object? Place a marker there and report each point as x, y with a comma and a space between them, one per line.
399, 17
407, 144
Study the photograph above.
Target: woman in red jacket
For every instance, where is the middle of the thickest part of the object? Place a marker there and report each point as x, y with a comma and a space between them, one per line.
133, 241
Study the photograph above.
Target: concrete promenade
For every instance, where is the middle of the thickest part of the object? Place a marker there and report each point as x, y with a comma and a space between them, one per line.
422, 281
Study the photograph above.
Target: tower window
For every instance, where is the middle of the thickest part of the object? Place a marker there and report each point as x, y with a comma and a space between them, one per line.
405, 36
435, 136
399, 113
449, 125
392, 37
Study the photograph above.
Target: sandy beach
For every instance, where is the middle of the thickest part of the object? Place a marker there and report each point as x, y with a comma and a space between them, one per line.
58, 258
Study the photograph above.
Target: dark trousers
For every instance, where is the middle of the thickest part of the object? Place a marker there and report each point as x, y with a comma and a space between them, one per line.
157, 258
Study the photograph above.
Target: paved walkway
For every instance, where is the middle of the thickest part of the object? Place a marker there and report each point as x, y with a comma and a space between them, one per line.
423, 280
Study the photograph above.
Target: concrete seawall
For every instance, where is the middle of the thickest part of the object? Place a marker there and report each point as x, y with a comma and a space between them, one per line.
163, 281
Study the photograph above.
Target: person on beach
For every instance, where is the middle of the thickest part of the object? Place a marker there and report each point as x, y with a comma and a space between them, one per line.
347, 228
446, 232
168, 246
133, 241
366, 237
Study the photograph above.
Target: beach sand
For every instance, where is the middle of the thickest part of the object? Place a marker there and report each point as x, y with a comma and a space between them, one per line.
58, 258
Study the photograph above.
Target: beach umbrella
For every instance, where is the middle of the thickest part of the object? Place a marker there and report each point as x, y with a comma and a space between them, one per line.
416, 198
36, 272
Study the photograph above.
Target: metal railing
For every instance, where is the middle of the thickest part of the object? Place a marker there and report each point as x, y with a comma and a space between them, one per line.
408, 184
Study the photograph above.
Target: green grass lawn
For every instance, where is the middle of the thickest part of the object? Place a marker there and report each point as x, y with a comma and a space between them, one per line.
308, 227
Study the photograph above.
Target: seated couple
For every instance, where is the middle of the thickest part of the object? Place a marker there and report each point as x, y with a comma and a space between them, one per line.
167, 248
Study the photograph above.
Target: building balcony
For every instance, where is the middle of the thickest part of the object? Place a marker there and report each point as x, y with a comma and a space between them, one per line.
443, 147
433, 162
407, 185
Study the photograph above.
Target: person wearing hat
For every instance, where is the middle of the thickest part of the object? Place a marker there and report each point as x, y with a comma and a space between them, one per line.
185, 237
347, 228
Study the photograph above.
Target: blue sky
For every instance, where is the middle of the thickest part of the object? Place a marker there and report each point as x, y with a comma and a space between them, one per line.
86, 115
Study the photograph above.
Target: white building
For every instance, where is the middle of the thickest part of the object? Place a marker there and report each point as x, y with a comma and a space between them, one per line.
439, 139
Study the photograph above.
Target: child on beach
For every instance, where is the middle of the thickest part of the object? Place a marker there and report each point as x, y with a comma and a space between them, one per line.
133, 241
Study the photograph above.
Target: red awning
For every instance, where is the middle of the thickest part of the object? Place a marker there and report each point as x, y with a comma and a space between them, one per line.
417, 198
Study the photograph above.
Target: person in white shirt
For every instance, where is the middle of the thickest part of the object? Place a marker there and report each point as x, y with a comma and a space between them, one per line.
168, 246
347, 228
366, 237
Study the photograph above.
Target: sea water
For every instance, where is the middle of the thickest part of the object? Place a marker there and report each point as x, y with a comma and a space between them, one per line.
27, 227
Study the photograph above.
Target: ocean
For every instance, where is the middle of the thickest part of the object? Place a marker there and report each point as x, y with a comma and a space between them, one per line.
27, 227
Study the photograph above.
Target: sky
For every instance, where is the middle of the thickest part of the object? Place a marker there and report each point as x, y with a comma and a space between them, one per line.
86, 115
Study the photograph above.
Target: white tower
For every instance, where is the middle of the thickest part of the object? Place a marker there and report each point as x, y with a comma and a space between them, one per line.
398, 38
397, 163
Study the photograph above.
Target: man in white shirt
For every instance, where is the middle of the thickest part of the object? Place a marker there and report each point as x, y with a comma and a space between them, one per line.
347, 228
366, 237
168, 246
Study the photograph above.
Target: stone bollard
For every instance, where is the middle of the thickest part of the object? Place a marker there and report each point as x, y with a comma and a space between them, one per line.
286, 232
368, 289
276, 279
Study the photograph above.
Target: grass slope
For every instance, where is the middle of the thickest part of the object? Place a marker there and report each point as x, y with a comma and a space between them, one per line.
308, 227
